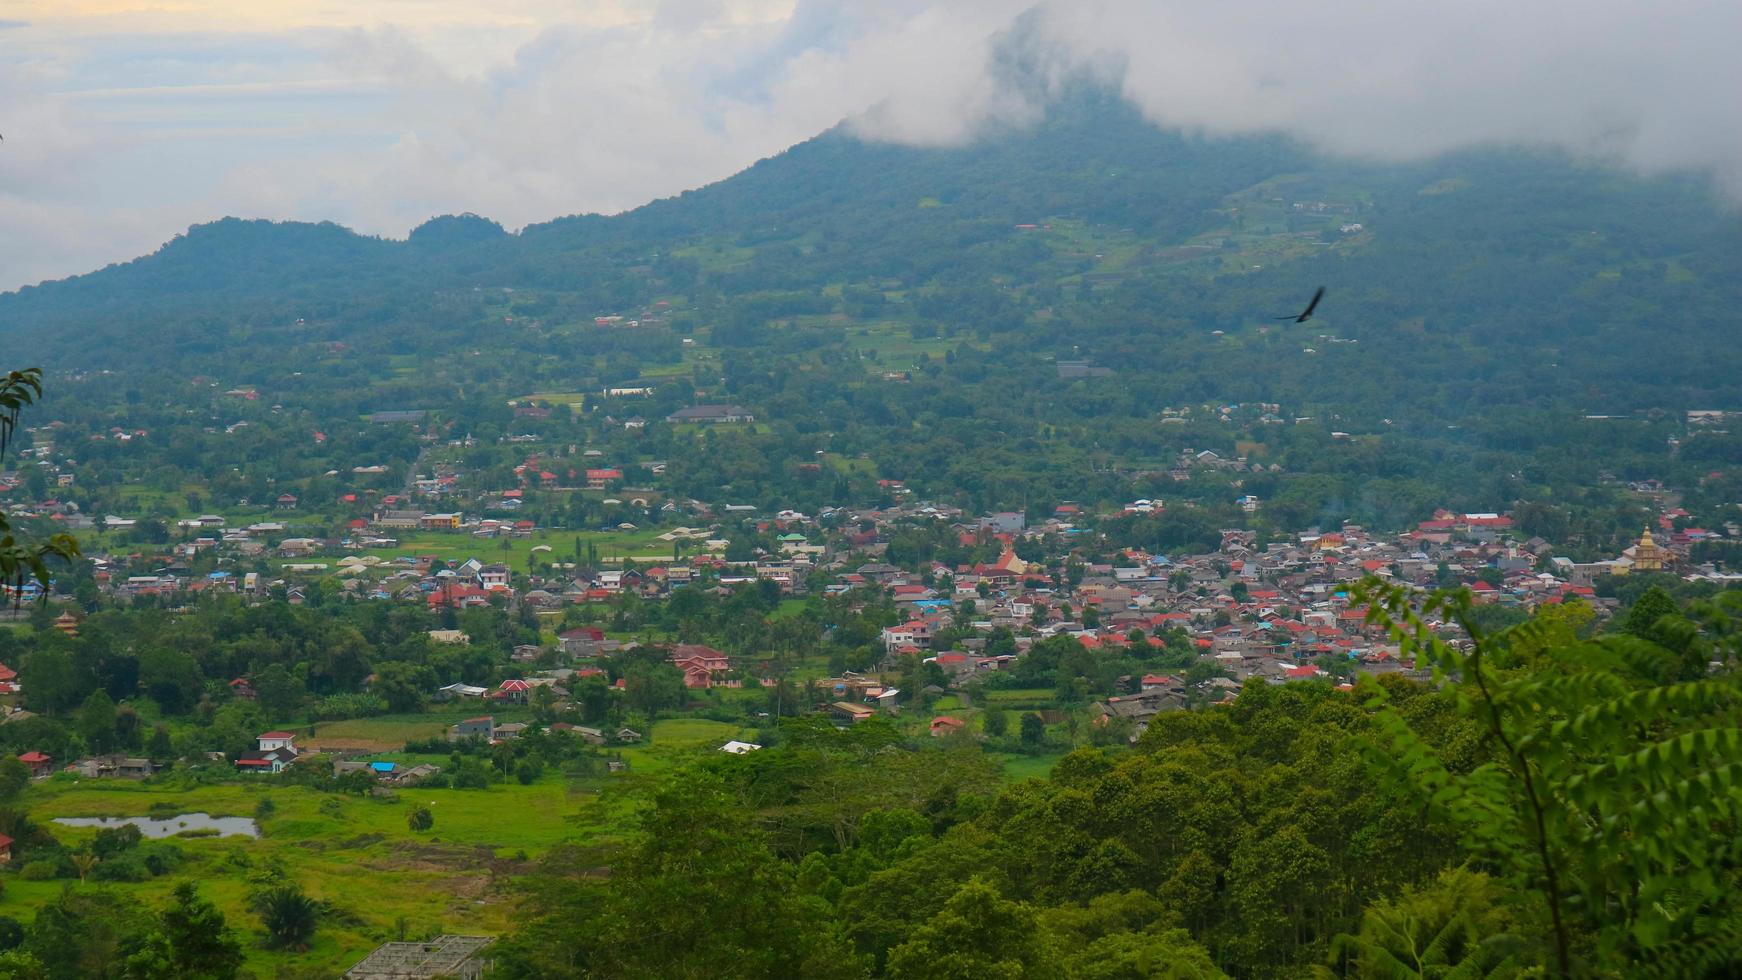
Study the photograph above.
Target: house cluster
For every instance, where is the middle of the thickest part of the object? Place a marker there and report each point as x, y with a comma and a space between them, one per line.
487, 729
714, 414
386, 773
41, 765
1278, 612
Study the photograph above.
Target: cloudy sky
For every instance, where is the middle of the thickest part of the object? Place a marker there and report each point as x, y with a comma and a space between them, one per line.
127, 120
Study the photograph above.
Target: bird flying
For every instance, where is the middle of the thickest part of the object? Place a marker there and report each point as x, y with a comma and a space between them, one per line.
1306, 314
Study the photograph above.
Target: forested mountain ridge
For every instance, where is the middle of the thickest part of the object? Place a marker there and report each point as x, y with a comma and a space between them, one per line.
1450, 242
910, 305
833, 187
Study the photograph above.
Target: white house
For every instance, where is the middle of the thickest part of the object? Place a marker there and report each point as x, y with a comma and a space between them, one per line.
272, 741
277, 750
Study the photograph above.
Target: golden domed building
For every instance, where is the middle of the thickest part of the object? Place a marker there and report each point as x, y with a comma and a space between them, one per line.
1646, 556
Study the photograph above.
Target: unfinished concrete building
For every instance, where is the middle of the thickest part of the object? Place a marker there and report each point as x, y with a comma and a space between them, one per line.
441, 958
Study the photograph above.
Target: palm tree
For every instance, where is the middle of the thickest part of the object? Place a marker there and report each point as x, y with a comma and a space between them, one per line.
83, 862
288, 915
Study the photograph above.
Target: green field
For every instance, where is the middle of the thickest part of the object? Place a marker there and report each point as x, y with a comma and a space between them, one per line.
716, 256
396, 730
1020, 767
890, 345
459, 546
454, 878
1038, 697
356, 853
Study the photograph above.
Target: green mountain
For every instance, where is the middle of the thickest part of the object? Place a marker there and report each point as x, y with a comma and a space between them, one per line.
911, 304
1497, 249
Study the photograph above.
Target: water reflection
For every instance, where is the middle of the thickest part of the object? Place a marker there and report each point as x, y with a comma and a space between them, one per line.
157, 829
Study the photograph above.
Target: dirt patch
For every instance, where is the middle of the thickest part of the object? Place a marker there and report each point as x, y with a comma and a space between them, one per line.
361, 840
347, 746
431, 857
467, 889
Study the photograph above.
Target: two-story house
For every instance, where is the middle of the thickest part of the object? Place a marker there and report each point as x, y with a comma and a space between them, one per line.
274, 752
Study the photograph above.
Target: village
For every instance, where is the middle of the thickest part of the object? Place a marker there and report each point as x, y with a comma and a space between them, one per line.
1187, 626
1275, 611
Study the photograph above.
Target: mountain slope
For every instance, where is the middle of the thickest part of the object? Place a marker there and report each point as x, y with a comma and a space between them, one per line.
911, 305
1095, 159
1453, 240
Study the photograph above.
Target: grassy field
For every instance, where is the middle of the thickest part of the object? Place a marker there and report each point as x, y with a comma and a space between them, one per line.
356, 853
716, 256
457, 546
454, 878
1038, 697
894, 345
395, 730
848, 464
1020, 767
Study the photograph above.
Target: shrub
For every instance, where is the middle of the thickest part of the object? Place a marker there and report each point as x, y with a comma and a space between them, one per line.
40, 871
127, 866
265, 808
160, 858
420, 819
528, 772
111, 841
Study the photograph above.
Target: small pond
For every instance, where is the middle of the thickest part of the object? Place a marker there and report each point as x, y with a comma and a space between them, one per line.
156, 829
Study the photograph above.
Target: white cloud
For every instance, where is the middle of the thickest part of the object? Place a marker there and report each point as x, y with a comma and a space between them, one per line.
123, 126
1647, 85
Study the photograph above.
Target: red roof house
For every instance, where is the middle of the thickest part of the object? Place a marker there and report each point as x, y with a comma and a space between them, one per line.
944, 725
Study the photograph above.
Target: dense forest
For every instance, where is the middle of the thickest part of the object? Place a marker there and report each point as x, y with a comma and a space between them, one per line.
1562, 807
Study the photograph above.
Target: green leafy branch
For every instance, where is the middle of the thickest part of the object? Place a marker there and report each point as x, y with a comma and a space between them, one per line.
1613, 798
19, 558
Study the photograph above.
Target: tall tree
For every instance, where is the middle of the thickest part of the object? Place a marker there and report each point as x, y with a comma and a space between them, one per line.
86, 933
978, 934
278, 690
1611, 801
197, 939
14, 776
52, 681
97, 721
